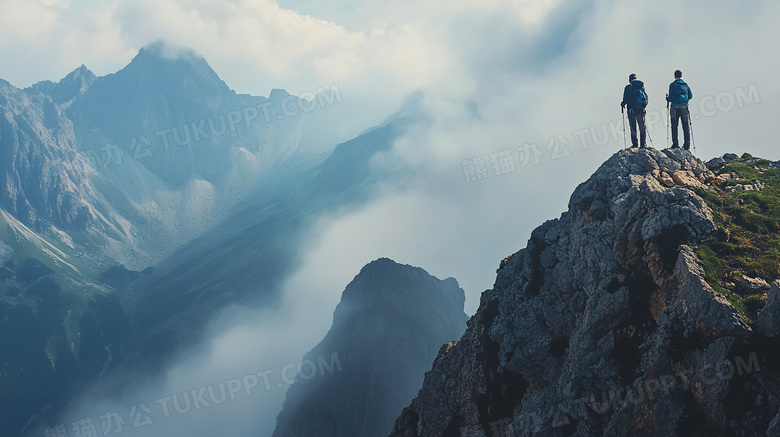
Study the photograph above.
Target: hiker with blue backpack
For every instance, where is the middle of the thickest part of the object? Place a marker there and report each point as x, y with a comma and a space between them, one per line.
635, 98
679, 96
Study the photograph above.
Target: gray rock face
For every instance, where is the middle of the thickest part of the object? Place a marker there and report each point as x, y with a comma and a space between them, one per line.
387, 329
42, 180
768, 322
191, 120
70, 87
716, 163
142, 160
748, 285
604, 325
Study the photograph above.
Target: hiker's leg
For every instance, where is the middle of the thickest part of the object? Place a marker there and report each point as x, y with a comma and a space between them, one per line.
632, 123
675, 119
640, 118
686, 118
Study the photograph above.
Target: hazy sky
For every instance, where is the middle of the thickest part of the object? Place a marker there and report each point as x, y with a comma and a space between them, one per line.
496, 75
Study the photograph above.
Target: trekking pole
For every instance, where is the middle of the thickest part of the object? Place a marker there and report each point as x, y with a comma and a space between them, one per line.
668, 121
623, 117
649, 137
690, 125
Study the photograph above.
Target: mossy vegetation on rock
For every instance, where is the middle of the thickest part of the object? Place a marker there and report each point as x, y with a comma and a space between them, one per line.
745, 201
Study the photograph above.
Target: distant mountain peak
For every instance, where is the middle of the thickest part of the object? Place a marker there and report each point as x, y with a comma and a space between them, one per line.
386, 347
169, 50
173, 65
381, 263
382, 268
81, 75
71, 86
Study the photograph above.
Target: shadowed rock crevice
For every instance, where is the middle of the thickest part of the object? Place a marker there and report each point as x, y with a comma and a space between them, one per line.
504, 390
753, 392
669, 242
693, 421
535, 248
453, 428
558, 346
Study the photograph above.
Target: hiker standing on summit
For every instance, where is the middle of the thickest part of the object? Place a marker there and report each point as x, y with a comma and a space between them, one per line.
679, 96
635, 97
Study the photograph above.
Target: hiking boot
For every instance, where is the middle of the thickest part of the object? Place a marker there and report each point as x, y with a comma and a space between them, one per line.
644, 146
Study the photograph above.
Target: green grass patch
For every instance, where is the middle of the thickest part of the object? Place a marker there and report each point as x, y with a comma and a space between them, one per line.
739, 304
748, 238
25, 248
742, 170
754, 302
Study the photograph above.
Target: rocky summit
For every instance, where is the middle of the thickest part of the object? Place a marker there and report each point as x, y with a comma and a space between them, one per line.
605, 325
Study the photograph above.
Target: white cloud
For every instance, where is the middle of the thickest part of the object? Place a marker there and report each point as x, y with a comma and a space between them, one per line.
240, 344
382, 54
463, 230
26, 21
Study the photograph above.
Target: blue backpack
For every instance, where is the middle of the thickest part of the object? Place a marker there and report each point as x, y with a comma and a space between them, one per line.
638, 99
680, 93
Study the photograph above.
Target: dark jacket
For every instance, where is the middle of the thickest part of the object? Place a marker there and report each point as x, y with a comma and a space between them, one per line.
673, 96
636, 83
626, 92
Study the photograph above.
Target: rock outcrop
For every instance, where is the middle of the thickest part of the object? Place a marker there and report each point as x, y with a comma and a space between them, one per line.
604, 325
70, 87
43, 181
768, 322
386, 331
